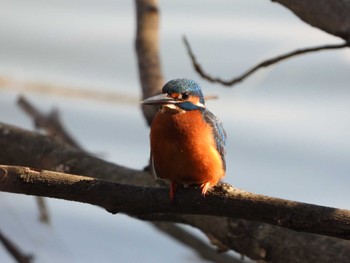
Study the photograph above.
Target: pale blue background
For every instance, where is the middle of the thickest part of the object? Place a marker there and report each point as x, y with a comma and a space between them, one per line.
288, 125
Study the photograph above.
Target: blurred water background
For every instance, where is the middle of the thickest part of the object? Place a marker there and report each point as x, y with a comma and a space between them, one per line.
288, 125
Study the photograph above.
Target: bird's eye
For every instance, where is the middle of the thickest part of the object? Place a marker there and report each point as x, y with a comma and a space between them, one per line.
185, 96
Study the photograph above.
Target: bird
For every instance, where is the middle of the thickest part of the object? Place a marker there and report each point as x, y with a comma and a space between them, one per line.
187, 141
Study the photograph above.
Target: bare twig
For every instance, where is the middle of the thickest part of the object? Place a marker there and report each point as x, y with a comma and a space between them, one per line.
44, 215
14, 250
262, 64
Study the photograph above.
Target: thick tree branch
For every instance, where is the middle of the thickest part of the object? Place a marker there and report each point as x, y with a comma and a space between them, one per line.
20, 147
265, 242
223, 200
262, 64
329, 16
256, 240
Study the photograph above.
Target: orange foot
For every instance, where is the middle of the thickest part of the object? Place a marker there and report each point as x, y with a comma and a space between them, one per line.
172, 191
205, 188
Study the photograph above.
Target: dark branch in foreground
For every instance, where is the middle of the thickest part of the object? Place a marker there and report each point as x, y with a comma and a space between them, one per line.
256, 240
52, 125
223, 200
262, 64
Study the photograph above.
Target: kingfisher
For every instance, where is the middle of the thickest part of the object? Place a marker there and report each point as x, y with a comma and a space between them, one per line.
187, 140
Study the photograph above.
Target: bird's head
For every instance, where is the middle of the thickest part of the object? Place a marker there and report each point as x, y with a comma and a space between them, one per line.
180, 94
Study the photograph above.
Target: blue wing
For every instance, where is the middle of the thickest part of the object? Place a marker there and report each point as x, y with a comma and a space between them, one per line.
218, 132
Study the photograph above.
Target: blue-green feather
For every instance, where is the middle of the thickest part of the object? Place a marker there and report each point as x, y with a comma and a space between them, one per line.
193, 88
218, 133
184, 85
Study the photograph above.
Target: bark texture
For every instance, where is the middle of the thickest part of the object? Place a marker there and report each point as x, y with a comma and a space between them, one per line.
147, 50
256, 240
330, 16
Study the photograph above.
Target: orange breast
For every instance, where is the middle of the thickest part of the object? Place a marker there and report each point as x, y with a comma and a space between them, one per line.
184, 150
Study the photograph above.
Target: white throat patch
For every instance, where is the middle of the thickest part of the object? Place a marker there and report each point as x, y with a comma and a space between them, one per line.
201, 105
172, 108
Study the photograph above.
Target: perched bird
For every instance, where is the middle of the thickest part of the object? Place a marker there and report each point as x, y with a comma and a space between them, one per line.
187, 140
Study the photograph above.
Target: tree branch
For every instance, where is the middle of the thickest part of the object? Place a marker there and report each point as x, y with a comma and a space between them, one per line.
256, 240
19, 256
262, 64
52, 125
21, 147
146, 43
265, 242
329, 16
223, 200
201, 248
44, 215
49, 122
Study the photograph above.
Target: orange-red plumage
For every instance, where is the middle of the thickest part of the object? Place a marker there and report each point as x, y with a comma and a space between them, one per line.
184, 150
187, 141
